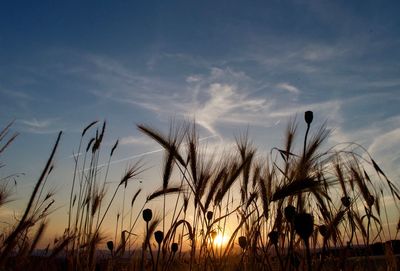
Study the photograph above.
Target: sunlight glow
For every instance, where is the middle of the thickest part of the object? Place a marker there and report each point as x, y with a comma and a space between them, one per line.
220, 240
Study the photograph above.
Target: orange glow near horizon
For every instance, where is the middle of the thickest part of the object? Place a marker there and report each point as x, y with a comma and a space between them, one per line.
220, 240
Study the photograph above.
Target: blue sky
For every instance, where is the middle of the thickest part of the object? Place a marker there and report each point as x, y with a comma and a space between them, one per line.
229, 64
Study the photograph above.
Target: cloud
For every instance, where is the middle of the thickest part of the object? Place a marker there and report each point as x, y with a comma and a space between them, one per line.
320, 52
224, 100
222, 94
193, 78
37, 124
386, 148
16, 94
380, 138
288, 87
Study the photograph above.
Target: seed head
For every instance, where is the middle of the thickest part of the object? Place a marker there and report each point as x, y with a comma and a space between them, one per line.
346, 201
159, 236
174, 247
308, 117
209, 215
110, 245
242, 242
304, 225
147, 215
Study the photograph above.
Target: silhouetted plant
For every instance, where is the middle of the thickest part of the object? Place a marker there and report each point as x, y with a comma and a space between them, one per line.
209, 216
242, 242
280, 196
304, 226
147, 215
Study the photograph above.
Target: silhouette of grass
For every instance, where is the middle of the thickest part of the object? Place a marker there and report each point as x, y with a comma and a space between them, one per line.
292, 210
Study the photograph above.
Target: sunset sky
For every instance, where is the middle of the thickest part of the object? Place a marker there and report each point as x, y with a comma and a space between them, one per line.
231, 65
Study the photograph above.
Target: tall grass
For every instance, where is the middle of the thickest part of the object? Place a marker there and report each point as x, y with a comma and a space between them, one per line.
285, 211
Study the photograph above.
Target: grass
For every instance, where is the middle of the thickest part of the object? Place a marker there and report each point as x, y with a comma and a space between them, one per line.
289, 211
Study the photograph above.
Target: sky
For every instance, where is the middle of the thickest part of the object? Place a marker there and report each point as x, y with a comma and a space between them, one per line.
230, 65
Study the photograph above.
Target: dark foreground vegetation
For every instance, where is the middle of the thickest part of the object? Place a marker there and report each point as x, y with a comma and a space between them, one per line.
304, 207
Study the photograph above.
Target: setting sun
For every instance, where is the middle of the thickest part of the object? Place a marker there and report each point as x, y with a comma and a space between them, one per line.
220, 240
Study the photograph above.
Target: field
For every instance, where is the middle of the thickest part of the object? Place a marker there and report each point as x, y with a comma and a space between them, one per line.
313, 207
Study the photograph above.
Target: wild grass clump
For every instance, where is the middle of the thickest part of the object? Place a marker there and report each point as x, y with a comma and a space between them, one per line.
20, 240
292, 210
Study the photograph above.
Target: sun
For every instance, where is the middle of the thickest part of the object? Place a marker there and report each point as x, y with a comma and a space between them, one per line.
220, 240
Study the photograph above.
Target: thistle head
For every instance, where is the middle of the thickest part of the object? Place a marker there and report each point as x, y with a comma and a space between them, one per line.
159, 236
242, 242
209, 215
304, 225
273, 237
308, 117
147, 215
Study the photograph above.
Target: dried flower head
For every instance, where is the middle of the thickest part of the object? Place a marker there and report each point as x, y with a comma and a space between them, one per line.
209, 215
110, 245
304, 225
174, 247
346, 201
147, 215
308, 117
159, 236
242, 242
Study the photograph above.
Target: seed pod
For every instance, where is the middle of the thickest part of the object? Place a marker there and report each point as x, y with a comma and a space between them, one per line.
159, 236
304, 225
346, 201
110, 245
209, 215
242, 242
174, 247
290, 213
147, 215
273, 237
308, 117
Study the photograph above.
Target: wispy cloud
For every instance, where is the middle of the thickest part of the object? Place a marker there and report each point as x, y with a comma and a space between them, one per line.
37, 126
224, 100
193, 78
16, 94
288, 87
